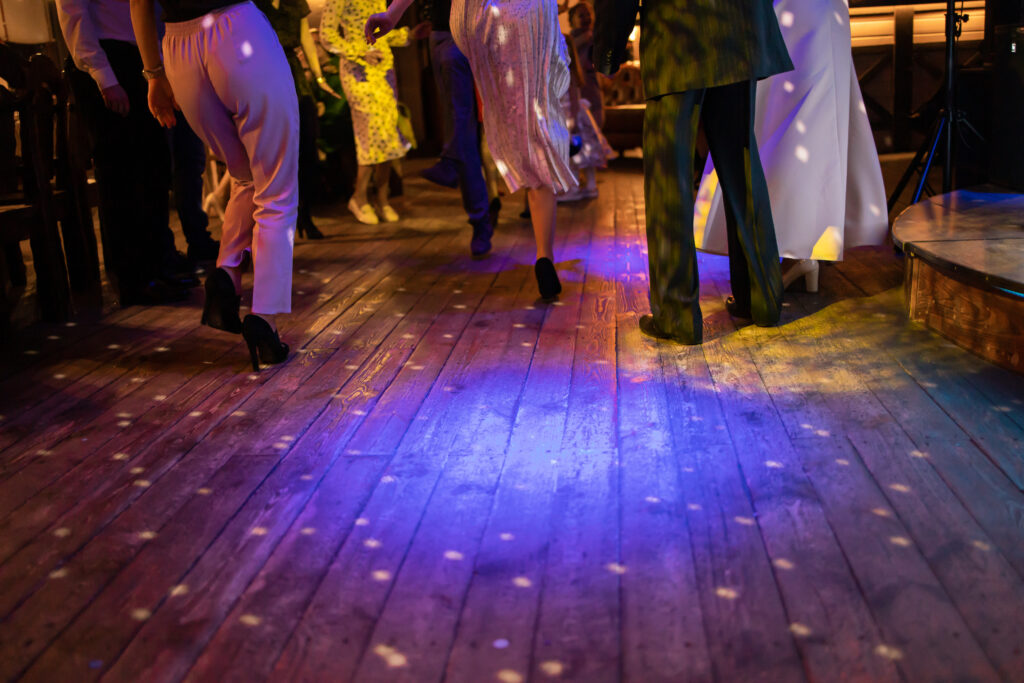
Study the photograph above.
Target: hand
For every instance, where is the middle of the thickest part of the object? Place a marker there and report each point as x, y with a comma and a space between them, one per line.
325, 86
161, 101
378, 26
420, 31
116, 100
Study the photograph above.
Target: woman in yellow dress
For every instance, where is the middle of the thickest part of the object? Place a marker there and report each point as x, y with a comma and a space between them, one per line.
368, 79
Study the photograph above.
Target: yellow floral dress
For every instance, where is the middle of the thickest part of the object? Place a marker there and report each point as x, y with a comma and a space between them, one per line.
367, 77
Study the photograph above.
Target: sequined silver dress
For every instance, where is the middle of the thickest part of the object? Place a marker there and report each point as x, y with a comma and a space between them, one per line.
520, 64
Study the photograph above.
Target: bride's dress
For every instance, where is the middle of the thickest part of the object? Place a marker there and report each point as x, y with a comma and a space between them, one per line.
819, 156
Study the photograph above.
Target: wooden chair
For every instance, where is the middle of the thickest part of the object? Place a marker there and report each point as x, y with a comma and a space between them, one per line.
50, 207
69, 160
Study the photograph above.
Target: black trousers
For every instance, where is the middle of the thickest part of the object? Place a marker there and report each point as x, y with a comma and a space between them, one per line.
309, 159
670, 131
133, 170
189, 156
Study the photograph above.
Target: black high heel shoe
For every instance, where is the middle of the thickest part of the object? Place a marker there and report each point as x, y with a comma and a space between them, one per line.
306, 228
263, 342
220, 310
547, 278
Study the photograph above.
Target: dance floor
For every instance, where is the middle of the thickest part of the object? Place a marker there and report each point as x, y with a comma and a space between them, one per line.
452, 480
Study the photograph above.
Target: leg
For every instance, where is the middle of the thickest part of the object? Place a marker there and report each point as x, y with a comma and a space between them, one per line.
131, 205
212, 122
441, 44
542, 215
670, 128
150, 146
381, 183
308, 164
753, 251
364, 175
463, 146
262, 91
385, 173
239, 108
189, 163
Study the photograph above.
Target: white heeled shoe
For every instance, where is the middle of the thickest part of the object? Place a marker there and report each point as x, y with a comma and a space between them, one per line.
364, 213
805, 268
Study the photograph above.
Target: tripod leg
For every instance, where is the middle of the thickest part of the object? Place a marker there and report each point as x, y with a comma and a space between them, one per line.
915, 165
931, 158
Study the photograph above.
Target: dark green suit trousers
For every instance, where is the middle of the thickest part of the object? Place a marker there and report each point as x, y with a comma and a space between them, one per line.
670, 131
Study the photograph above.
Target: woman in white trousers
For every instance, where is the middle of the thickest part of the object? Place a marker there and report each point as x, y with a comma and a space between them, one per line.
224, 67
816, 146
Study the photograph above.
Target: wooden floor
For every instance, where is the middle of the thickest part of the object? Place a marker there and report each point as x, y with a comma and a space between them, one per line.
451, 480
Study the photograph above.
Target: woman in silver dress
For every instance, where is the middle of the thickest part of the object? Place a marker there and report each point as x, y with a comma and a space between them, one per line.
519, 61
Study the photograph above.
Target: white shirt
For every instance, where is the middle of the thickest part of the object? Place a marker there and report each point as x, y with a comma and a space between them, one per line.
85, 23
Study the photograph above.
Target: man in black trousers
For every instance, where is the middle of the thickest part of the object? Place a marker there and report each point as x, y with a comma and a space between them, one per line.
700, 61
130, 150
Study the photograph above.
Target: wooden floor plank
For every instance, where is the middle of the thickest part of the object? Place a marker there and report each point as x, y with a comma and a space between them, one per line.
663, 635
452, 481
277, 429
101, 362
495, 626
578, 623
361, 576
251, 637
213, 591
351, 402
57, 602
256, 421
942, 370
428, 577
959, 552
896, 579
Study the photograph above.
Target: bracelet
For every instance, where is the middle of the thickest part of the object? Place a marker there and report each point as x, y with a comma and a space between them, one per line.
150, 74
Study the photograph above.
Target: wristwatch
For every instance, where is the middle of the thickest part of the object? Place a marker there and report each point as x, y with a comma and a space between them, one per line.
150, 74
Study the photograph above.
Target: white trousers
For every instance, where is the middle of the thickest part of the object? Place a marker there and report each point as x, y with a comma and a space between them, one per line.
232, 82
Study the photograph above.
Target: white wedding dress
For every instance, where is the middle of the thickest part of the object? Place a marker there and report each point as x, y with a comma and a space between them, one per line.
819, 156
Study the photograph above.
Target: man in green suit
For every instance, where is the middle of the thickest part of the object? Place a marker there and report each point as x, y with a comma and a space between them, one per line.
700, 61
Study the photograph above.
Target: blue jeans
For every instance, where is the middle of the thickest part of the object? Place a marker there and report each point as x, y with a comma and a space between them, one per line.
461, 126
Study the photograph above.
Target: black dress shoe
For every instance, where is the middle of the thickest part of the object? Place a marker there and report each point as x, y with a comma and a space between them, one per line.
178, 271
263, 342
547, 279
480, 245
442, 173
649, 326
736, 309
220, 310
